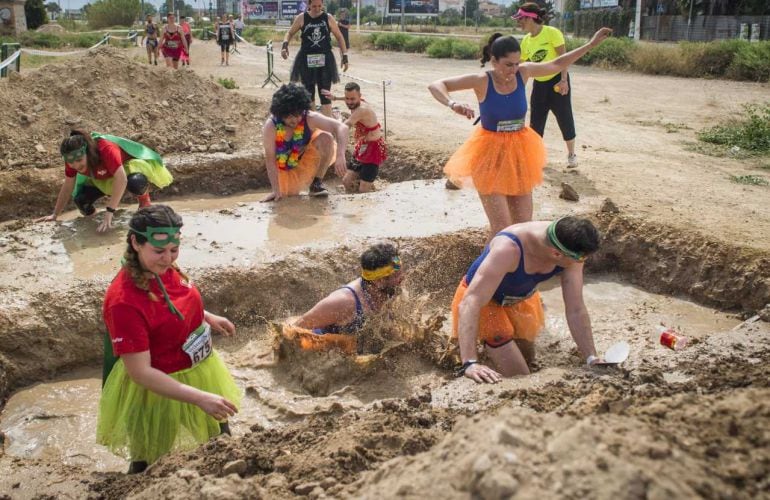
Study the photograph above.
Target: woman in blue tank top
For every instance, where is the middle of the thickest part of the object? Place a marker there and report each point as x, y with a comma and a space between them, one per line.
497, 302
503, 159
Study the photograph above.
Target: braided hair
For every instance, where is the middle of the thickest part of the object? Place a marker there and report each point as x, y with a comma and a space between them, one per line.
152, 216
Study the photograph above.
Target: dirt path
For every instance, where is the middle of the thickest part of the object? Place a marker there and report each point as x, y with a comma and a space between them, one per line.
636, 135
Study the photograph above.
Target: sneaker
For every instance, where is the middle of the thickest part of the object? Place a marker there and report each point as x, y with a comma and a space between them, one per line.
318, 189
572, 161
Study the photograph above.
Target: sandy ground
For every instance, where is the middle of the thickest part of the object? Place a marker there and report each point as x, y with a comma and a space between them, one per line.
665, 424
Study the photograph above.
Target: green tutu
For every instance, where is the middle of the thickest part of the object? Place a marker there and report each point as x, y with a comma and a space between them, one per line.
155, 171
140, 425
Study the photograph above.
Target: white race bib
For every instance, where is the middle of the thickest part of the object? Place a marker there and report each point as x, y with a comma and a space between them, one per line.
316, 60
198, 345
510, 125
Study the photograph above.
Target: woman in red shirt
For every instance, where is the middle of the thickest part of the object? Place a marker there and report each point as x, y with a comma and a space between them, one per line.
97, 165
168, 388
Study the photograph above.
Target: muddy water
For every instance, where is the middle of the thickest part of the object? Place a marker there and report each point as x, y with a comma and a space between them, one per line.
239, 230
56, 420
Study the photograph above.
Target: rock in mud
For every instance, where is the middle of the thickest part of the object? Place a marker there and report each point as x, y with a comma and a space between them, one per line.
764, 314
568, 193
234, 467
609, 207
306, 488
496, 485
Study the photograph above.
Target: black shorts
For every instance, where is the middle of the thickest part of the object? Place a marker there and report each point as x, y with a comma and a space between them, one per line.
367, 172
225, 45
545, 99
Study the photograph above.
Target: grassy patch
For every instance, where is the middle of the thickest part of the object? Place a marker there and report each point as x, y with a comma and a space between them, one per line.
749, 133
227, 83
749, 180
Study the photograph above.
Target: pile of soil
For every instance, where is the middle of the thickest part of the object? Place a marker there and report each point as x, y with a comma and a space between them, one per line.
108, 91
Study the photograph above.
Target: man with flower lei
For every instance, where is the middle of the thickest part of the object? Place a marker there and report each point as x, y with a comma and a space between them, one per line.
370, 150
300, 145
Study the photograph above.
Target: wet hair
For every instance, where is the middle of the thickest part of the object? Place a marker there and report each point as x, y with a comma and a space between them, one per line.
290, 99
535, 9
152, 216
76, 140
578, 235
378, 255
352, 86
499, 46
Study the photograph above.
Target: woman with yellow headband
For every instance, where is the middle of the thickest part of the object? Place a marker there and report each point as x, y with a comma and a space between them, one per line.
497, 302
334, 321
97, 165
169, 389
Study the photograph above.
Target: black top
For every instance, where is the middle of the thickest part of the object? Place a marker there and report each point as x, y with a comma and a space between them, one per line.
316, 34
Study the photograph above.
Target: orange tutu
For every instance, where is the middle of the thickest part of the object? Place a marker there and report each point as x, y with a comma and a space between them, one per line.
507, 163
498, 324
292, 182
309, 341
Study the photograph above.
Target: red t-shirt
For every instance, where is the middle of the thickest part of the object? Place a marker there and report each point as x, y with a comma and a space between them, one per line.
112, 157
138, 324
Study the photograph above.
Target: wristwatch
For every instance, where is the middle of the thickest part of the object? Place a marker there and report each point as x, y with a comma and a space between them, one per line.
111, 210
461, 371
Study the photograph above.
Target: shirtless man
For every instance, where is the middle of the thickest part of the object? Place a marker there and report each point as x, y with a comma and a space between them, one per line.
370, 149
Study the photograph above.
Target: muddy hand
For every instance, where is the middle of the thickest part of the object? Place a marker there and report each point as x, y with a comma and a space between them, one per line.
482, 374
271, 197
600, 36
217, 406
106, 223
340, 166
221, 325
47, 218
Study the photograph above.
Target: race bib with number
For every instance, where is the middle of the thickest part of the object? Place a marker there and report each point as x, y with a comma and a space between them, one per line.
510, 300
363, 148
198, 345
224, 36
316, 60
510, 125
171, 44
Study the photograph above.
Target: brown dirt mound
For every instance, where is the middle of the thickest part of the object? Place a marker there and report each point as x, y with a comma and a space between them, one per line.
107, 91
325, 451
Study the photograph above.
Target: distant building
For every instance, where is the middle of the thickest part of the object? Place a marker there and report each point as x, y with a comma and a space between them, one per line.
491, 9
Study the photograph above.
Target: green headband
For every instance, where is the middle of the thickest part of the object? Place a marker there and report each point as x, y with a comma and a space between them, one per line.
75, 155
151, 232
551, 232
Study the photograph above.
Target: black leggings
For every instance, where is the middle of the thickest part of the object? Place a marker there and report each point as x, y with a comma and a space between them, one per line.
137, 185
140, 466
545, 99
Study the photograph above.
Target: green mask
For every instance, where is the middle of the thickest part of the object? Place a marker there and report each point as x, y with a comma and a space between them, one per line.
159, 237
74, 156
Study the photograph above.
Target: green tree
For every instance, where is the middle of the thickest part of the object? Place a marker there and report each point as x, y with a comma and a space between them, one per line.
35, 12
470, 8
53, 7
106, 13
149, 10
450, 17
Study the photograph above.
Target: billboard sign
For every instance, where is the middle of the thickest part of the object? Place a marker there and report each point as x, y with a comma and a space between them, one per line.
413, 7
256, 9
291, 8
596, 4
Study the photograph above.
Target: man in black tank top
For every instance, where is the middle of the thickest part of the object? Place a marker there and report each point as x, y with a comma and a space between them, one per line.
225, 36
314, 64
